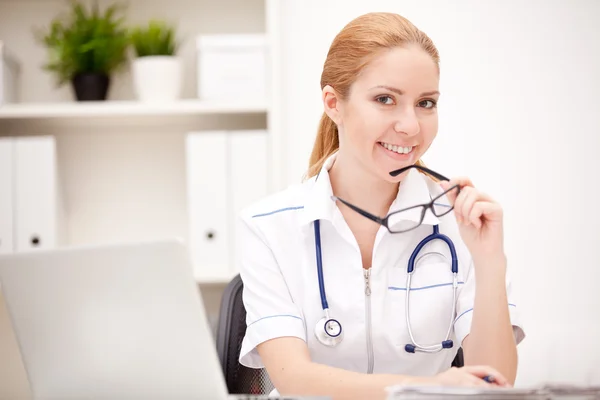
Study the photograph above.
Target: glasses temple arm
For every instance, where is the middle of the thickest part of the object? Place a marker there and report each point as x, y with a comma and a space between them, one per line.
359, 210
424, 169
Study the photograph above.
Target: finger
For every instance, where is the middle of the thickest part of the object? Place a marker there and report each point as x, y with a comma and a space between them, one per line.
471, 197
451, 195
482, 371
464, 203
491, 211
476, 381
462, 181
471, 380
459, 204
475, 214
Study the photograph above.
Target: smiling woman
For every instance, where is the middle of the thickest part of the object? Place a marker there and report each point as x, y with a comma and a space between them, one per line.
324, 277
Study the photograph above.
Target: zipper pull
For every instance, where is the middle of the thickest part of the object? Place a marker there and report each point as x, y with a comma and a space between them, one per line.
367, 273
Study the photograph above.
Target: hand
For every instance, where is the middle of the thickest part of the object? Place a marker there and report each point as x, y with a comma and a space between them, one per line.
470, 375
479, 219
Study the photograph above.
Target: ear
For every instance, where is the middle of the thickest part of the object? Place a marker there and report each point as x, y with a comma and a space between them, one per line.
331, 104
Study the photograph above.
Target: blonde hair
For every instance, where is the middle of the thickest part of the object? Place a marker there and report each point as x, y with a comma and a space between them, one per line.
350, 51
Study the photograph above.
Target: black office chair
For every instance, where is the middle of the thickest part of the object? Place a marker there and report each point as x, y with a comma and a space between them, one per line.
230, 333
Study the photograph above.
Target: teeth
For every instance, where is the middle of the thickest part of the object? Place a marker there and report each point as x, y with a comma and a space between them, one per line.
397, 149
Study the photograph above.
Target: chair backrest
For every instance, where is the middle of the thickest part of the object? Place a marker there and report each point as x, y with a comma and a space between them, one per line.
230, 333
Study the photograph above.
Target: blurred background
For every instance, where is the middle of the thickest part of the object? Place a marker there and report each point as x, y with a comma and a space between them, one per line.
193, 109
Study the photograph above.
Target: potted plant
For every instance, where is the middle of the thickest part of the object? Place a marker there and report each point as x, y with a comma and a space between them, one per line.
157, 71
86, 48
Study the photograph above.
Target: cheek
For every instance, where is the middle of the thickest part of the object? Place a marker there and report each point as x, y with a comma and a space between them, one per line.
429, 128
367, 124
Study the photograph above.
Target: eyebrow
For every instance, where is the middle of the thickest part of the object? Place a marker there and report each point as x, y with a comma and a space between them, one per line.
400, 92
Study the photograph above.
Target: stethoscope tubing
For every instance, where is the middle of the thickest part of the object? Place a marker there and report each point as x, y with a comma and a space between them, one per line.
319, 254
414, 346
436, 347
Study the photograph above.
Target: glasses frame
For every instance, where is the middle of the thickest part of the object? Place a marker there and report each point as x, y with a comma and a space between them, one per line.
427, 206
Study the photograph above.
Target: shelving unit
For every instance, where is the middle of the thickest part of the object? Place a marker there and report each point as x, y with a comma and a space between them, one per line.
121, 162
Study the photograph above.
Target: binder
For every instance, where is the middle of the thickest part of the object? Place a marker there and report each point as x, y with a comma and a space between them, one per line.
208, 203
36, 196
248, 175
6, 196
226, 171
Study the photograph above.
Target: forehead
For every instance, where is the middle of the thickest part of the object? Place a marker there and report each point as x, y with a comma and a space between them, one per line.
405, 68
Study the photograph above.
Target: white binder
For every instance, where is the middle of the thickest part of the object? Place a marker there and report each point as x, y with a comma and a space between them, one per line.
248, 175
208, 204
36, 205
226, 171
6, 196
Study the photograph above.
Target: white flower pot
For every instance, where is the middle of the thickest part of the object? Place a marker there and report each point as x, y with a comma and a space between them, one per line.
157, 79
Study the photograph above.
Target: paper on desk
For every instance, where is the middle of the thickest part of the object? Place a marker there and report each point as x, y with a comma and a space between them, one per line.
458, 392
572, 390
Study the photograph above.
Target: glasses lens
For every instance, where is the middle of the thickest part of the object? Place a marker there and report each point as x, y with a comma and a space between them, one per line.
405, 220
441, 204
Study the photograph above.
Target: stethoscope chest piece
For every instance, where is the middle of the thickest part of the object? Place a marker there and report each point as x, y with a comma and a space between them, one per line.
329, 332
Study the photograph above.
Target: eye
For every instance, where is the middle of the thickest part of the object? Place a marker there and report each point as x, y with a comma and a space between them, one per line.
429, 103
387, 100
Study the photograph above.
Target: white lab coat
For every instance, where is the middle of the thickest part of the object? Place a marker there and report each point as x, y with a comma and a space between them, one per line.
277, 263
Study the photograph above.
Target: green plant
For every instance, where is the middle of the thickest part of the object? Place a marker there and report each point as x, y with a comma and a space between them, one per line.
83, 41
157, 38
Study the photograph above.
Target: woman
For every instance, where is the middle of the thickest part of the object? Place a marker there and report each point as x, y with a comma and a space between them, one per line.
323, 249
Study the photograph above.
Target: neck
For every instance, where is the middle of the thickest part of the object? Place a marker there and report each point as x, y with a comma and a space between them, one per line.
360, 187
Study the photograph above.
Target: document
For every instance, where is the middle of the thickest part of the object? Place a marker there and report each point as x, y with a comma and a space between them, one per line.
546, 392
455, 393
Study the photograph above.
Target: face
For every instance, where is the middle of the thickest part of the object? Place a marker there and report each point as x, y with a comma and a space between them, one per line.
389, 119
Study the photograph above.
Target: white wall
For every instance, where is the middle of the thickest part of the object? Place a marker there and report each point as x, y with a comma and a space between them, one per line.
519, 115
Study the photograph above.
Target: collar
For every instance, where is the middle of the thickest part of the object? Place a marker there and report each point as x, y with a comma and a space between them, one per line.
415, 189
318, 204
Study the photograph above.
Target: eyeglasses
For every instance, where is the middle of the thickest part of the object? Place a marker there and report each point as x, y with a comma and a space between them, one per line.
403, 220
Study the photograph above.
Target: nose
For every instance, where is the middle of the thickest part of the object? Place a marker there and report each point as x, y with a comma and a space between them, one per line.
408, 123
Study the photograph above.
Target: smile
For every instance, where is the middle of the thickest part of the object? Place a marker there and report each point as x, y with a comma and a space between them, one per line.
397, 149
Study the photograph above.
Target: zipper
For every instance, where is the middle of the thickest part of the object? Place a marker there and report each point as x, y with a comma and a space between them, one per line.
370, 356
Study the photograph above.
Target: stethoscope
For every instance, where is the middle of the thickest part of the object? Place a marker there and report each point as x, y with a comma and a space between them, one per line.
329, 330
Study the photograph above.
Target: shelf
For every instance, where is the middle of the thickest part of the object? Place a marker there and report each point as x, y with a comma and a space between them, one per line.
23, 118
123, 109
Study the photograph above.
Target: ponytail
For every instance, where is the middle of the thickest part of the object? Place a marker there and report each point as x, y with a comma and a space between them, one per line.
326, 143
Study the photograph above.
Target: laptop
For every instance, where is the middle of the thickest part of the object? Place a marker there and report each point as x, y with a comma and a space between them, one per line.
117, 321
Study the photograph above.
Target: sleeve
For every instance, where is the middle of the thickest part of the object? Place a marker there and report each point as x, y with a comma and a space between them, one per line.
466, 301
270, 309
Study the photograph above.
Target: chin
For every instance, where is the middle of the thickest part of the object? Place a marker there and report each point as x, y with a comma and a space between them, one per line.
383, 168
